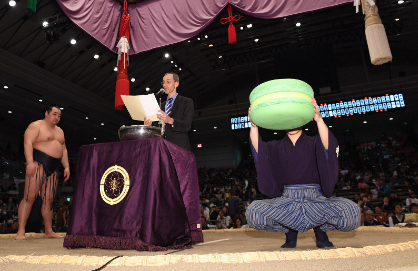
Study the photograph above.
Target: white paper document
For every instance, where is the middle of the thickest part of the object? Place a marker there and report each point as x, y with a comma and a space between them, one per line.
141, 106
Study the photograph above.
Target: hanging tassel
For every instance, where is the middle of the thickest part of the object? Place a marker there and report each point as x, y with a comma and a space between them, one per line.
122, 80
31, 5
377, 40
232, 35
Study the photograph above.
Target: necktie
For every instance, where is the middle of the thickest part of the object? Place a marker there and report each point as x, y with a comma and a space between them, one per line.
169, 106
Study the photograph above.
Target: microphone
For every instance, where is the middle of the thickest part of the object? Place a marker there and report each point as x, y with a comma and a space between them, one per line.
159, 93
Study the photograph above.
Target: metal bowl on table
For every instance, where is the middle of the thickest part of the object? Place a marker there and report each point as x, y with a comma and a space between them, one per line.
134, 132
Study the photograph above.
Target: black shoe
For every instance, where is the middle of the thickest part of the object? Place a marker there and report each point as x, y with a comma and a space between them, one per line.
322, 239
291, 238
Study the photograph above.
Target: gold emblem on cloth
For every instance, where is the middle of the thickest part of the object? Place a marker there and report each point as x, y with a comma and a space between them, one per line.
114, 185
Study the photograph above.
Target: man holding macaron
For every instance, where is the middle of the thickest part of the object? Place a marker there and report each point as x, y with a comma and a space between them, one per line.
300, 173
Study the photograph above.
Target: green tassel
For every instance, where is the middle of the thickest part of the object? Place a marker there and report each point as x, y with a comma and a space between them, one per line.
31, 6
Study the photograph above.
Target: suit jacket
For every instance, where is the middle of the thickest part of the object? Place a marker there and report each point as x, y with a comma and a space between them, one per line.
182, 113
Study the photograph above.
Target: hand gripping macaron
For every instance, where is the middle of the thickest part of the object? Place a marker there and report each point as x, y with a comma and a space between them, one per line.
282, 104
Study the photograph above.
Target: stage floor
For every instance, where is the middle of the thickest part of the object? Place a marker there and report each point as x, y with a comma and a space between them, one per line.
367, 248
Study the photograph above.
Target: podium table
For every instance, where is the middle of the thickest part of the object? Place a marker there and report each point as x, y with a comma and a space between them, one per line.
138, 194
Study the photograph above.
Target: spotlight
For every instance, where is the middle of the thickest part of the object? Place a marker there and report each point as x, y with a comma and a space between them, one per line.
6, 87
298, 24
87, 118
249, 25
167, 55
256, 40
10, 112
147, 89
102, 124
96, 56
132, 80
115, 69
399, 2
45, 24
206, 36
73, 41
40, 100
12, 3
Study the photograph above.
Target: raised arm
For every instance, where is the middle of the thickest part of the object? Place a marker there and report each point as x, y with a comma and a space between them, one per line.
253, 132
31, 134
322, 127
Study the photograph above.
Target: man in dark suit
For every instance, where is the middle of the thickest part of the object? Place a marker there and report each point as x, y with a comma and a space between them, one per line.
177, 114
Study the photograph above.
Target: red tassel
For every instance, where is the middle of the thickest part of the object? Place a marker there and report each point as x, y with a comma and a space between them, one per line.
232, 35
122, 81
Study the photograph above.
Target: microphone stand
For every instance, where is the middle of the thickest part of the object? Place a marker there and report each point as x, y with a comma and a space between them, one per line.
162, 123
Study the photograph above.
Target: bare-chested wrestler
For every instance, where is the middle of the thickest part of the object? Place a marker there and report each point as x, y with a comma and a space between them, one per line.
45, 149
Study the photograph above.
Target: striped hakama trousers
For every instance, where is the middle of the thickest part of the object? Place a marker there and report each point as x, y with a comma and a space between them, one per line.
303, 207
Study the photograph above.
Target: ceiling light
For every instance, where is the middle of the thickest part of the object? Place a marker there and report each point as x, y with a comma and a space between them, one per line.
206, 36
147, 89
198, 38
249, 25
133, 80
211, 45
365, 121
175, 65
73, 41
115, 69
166, 55
172, 61
188, 41
390, 118
298, 24
61, 108
242, 28
179, 69
12, 3
256, 40
40, 100
96, 56
397, 19
87, 118
94, 138
220, 56
102, 124
194, 130
215, 127
399, 2
306, 129
330, 126
45, 24
275, 133
6, 87
10, 112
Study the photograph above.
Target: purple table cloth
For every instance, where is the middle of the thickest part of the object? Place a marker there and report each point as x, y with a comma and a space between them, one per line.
160, 210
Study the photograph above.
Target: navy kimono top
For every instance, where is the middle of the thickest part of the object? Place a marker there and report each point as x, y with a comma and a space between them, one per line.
280, 163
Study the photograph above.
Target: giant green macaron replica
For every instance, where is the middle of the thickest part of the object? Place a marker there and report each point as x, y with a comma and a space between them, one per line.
282, 104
